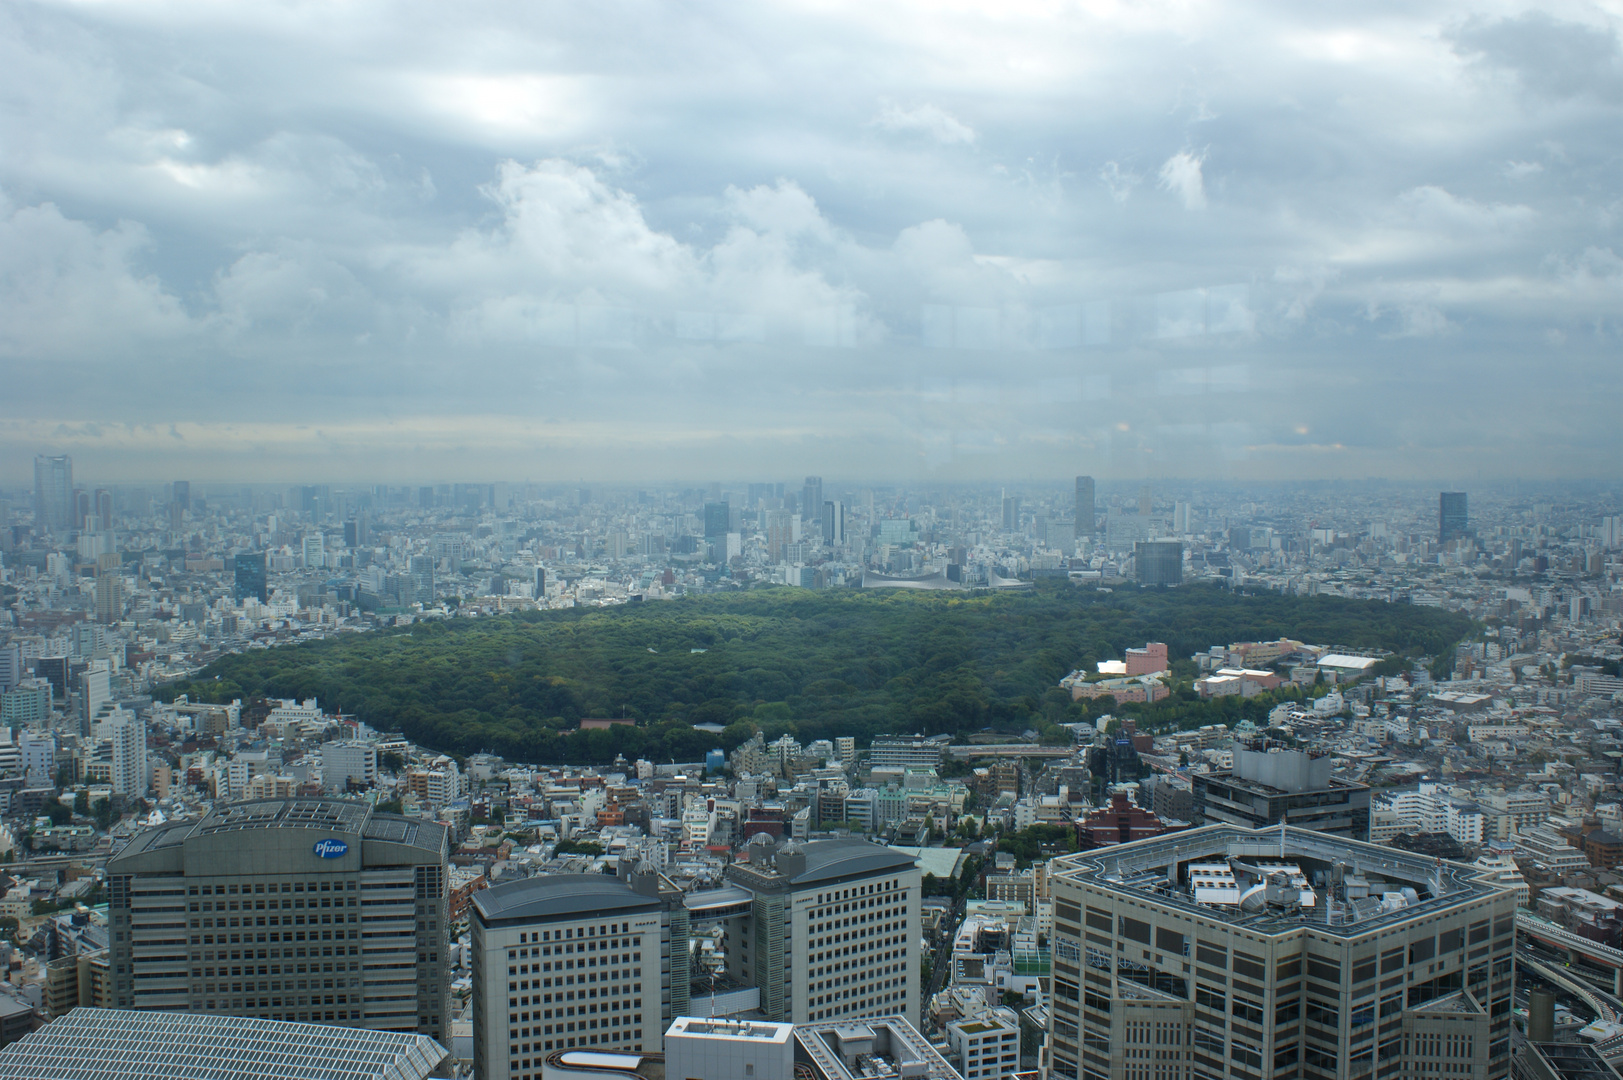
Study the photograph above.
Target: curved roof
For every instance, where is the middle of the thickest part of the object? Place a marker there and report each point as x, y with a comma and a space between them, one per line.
547, 896
829, 860
937, 580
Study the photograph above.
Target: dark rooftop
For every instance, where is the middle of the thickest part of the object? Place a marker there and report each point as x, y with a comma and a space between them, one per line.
558, 896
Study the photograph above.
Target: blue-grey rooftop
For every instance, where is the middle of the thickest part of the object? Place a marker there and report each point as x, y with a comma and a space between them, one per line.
558, 896
124, 1044
1153, 870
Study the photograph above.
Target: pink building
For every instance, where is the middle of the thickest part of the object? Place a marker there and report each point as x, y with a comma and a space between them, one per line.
1148, 660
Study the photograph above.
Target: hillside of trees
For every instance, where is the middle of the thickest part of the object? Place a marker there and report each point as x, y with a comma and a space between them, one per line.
817, 664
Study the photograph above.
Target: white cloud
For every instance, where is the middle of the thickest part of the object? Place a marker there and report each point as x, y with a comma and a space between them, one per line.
70, 291
929, 120
1119, 181
1181, 175
750, 218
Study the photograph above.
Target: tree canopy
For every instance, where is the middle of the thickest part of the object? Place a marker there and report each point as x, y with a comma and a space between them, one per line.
818, 664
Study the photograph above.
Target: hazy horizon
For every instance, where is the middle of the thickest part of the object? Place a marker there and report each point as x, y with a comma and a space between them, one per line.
1241, 242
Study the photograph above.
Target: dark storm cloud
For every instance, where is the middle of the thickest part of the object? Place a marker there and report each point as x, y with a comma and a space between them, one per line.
960, 240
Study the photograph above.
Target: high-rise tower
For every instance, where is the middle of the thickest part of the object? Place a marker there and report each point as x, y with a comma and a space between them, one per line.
53, 493
1452, 519
1084, 506
811, 503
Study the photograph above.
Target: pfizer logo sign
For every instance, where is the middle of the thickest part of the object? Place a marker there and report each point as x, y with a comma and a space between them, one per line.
331, 849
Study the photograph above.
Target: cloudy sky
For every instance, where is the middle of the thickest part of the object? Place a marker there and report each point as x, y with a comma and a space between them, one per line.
646, 242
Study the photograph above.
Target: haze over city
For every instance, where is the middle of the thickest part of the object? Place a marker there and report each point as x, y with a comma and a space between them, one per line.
629, 243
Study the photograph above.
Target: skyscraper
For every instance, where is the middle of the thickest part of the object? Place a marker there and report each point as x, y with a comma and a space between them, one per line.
834, 522
284, 886
565, 961
1277, 952
129, 756
779, 533
250, 576
811, 503
1085, 518
104, 509
109, 595
1158, 562
53, 494
832, 932
183, 493
1452, 519
717, 518
1011, 512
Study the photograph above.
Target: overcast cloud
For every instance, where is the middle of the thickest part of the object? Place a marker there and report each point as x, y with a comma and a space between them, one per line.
961, 241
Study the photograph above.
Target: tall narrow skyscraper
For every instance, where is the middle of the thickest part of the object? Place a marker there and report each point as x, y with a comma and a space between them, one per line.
53, 494
834, 522
1084, 506
1452, 519
183, 493
811, 502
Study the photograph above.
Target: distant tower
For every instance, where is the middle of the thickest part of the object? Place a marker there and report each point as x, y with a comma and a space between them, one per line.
53, 494
1084, 507
1145, 505
104, 509
811, 502
1011, 511
183, 493
834, 522
249, 568
1452, 520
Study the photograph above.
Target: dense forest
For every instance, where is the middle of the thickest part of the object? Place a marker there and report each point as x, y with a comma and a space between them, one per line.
817, 664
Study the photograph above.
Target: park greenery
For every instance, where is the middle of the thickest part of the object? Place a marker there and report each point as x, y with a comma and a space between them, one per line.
815, 664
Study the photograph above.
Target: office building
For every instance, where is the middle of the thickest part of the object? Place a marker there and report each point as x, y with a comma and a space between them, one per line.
308, 910
540, 582
348, 764
109, 596
719, 1049
811, 502
1158, 562
1011, 512
54, 670
1086, 518
780, 533
95, 691
985, 1047
834, 522
881, 1048
130, 775
907, 751
115, 1044
832, 931
36, 757
1229, 952
53, 495
181, 494
563, 961
1270, 782
26, 704
314, 550
250, 576
717, 517
11, 667
1453, 521
103, 510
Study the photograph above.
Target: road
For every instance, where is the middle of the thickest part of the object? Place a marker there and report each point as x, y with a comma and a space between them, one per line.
941, 961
